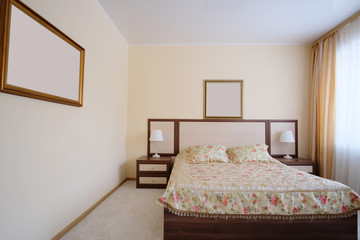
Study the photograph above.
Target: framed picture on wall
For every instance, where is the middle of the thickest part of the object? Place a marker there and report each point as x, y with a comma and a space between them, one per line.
37, 59
223, 99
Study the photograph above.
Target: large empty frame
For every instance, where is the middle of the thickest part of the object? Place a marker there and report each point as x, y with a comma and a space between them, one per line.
37, 59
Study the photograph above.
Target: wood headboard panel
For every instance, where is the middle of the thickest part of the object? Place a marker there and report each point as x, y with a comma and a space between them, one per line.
226, 133
182, 133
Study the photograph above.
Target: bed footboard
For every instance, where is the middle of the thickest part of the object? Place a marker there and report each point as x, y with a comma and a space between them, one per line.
176, 227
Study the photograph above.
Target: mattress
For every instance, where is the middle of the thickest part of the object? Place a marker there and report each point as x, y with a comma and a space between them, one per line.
254, 189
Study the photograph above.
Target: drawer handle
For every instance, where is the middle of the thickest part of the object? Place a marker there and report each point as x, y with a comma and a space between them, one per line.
153, 180
152, 168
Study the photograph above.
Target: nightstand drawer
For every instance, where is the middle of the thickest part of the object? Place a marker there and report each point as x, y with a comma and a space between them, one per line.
302, 164
153, 167
153, 180
308, 169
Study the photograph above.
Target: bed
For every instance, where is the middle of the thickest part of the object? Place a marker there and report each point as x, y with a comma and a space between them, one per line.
241, 192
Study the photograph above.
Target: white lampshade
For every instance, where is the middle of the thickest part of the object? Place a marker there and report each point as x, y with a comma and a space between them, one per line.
156, 136
287, 137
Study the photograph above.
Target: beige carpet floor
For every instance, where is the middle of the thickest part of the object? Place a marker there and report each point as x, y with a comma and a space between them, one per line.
129, 213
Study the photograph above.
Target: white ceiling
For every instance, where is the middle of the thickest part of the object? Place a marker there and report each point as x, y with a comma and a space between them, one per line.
152, 22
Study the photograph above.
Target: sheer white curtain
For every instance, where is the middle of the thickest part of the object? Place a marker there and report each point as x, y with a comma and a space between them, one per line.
347, 128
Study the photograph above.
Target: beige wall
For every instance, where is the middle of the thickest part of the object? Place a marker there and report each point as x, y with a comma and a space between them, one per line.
167, 82
57, 160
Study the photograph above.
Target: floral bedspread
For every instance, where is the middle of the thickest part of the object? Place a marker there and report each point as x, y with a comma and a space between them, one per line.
255, 190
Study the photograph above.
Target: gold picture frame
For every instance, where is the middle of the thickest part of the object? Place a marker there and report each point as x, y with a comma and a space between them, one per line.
223, 99
37, 59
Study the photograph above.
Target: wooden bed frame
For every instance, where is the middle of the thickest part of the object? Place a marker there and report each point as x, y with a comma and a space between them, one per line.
177, 227
180, 227
173, 134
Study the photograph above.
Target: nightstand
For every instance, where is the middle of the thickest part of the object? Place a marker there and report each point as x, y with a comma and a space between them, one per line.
152, 172
305, 165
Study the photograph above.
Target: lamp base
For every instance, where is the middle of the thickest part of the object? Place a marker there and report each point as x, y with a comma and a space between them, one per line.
287, 156
156, 155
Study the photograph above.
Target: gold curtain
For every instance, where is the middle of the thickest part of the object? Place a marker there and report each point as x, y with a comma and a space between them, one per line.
322, 100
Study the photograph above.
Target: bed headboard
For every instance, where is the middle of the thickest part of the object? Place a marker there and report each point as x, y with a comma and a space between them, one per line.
182, 133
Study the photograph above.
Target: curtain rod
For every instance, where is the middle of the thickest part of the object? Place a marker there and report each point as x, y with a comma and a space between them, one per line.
335, 29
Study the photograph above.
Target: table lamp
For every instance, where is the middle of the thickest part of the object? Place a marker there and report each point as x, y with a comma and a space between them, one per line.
287, 137
156, 136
